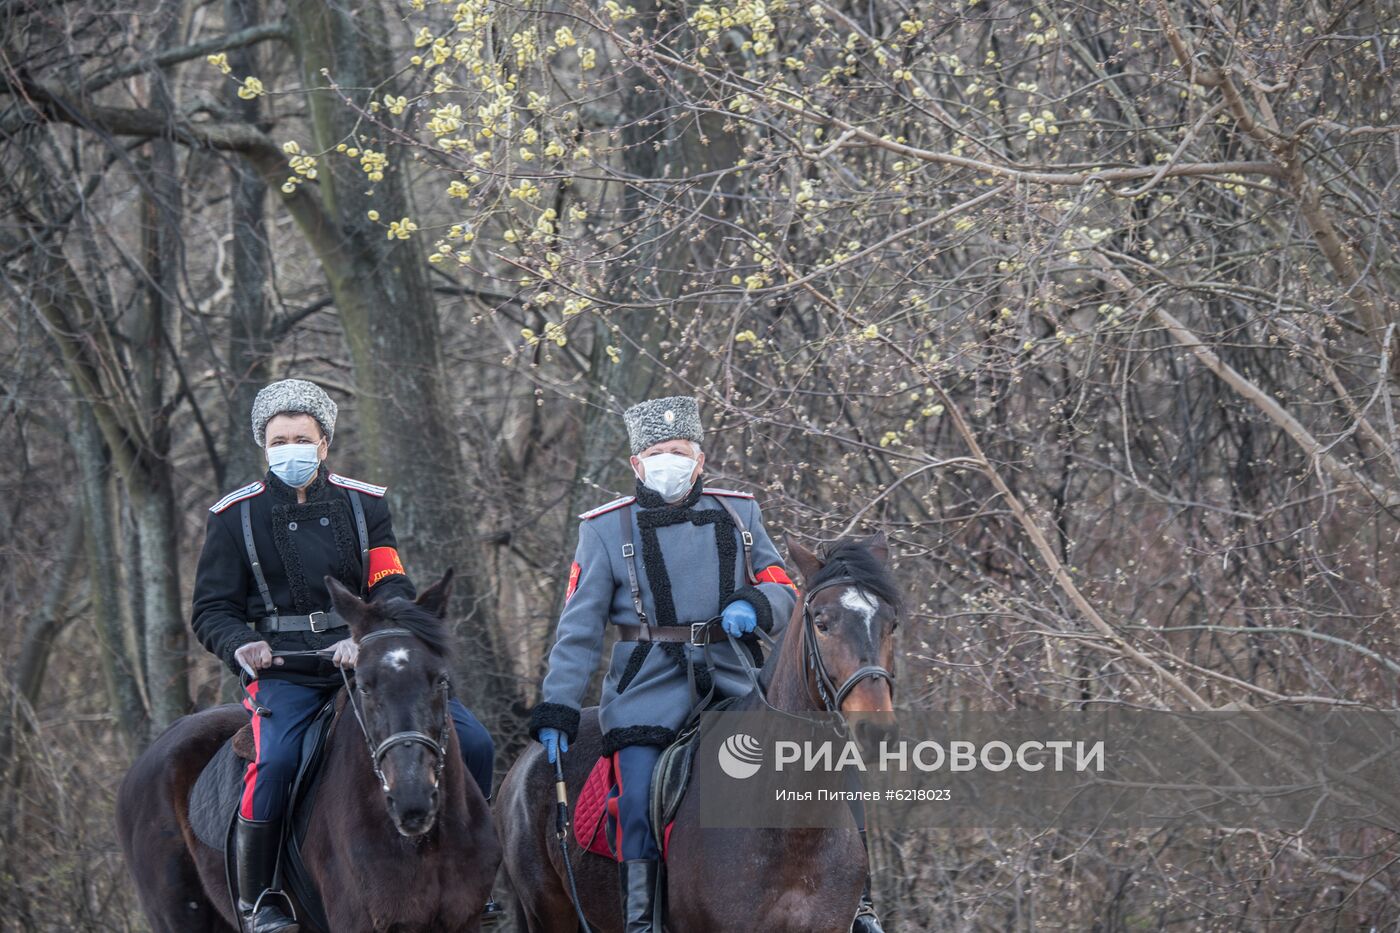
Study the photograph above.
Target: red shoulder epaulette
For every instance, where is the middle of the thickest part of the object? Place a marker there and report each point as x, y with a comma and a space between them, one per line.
712, 491
369, 489
238, 495
615, 504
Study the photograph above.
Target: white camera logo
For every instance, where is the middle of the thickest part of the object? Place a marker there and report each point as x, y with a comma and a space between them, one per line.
741, 756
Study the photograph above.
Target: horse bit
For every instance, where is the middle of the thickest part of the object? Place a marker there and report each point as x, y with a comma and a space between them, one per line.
830, 695
438, 746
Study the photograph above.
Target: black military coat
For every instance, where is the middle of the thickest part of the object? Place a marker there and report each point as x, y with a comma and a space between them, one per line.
298, 545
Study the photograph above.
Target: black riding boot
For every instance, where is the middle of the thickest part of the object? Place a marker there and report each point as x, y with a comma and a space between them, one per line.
256, 844
866, 920
638, 880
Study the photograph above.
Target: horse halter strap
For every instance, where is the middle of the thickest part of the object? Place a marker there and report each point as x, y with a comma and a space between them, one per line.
832, 696
438, 746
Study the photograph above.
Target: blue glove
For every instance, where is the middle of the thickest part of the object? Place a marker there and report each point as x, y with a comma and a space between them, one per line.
554, 742
739, 618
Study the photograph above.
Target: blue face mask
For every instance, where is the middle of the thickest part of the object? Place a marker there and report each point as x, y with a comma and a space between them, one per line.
294, 464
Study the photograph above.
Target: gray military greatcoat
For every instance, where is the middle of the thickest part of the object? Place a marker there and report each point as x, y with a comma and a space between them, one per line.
690, 564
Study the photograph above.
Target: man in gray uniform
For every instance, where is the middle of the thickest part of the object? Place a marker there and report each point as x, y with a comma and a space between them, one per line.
676, 554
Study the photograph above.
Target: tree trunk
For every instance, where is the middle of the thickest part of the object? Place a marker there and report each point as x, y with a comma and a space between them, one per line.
40, 631
654, 273
163, 623
249, 347
389, 316
119, 646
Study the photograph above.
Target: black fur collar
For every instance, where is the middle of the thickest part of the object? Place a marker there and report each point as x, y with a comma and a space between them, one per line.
284, 493
649, 498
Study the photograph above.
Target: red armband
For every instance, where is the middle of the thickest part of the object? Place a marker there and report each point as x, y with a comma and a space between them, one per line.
775, 574
383, 562
574, 572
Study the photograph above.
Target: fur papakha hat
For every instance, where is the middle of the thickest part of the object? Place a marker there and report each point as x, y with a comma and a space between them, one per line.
663, 419
296, 397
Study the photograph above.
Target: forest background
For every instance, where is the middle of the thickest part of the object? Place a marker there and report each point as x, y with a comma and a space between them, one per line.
1089, 306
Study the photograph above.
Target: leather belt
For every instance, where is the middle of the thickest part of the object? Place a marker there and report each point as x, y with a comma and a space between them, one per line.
696, 633
317, 622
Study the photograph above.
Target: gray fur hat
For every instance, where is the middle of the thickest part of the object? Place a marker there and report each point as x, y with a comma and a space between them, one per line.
292, 396
663, 419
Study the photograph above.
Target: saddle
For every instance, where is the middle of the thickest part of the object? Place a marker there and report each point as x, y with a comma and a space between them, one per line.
595, 810
214, 801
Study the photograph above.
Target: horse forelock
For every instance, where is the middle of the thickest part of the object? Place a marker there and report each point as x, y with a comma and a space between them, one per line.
424, 625
849, 559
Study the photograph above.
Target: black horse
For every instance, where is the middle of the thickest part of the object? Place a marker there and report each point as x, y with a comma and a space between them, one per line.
379, 863
835, 653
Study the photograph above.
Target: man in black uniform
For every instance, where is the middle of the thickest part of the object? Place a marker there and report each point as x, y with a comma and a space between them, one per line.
260, 587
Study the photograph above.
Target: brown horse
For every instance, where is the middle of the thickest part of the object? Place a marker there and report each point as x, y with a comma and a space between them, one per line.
375, 870
835, 653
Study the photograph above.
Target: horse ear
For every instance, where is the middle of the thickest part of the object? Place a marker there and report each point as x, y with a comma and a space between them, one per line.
879, 545
435, 598
348, 606
807, 562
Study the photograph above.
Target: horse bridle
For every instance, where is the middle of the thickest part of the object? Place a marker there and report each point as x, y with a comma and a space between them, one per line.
437, 746
831, 696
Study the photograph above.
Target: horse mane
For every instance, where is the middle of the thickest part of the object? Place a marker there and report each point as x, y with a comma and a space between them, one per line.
849, 558
425, 626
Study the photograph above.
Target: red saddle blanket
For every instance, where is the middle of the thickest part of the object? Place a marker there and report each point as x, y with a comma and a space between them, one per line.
595, 812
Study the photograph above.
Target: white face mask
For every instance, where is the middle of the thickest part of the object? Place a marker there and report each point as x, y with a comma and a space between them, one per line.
668, 475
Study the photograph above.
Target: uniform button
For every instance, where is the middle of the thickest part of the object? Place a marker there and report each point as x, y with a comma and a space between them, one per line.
291, 526
325, 521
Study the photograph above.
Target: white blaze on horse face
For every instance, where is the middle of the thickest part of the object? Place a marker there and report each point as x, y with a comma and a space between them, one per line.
396, 659
862, 603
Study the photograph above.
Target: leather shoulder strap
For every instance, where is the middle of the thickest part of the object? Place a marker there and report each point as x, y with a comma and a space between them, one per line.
362, 529
245, 515
629, 557
745, 536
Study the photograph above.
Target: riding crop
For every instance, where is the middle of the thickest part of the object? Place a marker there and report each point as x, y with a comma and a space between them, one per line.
561, 832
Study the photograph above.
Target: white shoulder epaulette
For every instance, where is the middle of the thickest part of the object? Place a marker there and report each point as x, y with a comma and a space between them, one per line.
238, 495
712, 491
615, 504
369, 489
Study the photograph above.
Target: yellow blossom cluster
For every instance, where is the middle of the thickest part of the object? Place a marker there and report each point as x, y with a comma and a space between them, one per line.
712, 21
446, 119
1234, 182
1041, 125
553, 331
303, 165
445, 248
373, 163
527, 190
401, 229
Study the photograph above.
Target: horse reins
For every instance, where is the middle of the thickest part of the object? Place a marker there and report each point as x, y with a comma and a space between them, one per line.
438, 746
828, 693
829, 696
